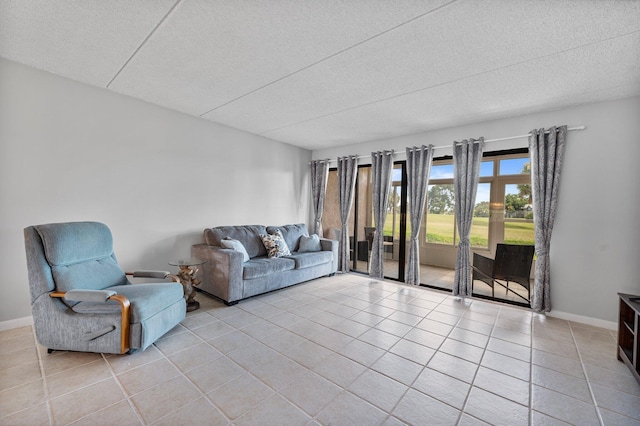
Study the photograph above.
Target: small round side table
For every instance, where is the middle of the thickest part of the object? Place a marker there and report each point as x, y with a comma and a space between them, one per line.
187, 277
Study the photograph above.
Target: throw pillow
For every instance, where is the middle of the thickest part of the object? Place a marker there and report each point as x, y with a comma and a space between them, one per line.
236, 245
275, 244
310, 243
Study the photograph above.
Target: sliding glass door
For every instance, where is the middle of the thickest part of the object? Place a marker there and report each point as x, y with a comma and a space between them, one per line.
502, 213
395, 227
361, 236
361, 224
360, 220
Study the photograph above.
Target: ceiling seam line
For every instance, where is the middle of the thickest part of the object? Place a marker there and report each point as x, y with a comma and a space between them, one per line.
446, 82
135, 52
331, 56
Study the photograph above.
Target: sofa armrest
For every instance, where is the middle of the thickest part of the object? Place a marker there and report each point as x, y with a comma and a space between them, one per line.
221, 275
332, 246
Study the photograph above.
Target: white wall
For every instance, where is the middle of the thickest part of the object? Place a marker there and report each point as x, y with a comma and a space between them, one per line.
157, 177
595, 249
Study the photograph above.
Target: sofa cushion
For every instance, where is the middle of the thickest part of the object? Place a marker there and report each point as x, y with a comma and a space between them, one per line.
144, 303
291, 233
248, 235
263, 266
237, 246
275, 244
309, 244
307, 260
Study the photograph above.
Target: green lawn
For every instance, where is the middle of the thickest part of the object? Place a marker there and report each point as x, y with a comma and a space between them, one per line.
440, 230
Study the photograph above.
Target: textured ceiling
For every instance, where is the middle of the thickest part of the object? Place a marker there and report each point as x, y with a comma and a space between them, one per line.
323, 73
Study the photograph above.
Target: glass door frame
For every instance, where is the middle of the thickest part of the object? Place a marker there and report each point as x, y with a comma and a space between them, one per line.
402, 225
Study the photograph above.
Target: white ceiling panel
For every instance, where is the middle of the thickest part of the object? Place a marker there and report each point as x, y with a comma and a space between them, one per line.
87, 40
321, 73
419, 55
528, 87
212, 52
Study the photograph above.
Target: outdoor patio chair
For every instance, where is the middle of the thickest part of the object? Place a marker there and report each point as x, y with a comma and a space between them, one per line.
82, 301
512, 263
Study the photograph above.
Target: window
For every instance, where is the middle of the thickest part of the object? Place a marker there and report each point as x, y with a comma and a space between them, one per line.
515, 166
502, 211
479, 235
440, 214
440, 218
515, 175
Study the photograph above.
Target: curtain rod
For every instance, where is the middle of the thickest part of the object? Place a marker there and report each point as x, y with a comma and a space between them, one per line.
486, 140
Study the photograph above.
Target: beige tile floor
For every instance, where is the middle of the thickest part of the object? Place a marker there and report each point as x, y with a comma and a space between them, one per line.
340, 350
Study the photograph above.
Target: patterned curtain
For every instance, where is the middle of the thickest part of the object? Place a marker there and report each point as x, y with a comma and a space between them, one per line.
347, 169
546, 149
382, 166
418, 170
319, 176
467, 156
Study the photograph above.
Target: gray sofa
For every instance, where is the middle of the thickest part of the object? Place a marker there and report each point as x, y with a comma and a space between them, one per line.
226, 276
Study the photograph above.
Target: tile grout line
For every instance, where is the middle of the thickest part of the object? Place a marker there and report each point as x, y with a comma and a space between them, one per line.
532, 325
224, 355
184, 376
586, 376
200, 391
42, 373
466, 399
123, 390
277, 391
342, 388
310, 370
460, 410
42, 377
367, 368
390, 412
81, 388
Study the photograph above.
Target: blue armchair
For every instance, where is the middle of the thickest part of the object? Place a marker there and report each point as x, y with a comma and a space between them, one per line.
81, 299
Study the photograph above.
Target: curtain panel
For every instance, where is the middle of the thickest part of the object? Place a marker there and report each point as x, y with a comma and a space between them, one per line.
347, 170
382, 166
546, 149
418, 170
319, 177
467, 157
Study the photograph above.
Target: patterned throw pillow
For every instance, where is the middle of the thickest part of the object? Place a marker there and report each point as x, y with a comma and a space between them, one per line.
275, 244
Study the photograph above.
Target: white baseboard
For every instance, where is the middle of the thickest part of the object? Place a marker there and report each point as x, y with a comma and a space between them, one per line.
609, 325
16, 323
